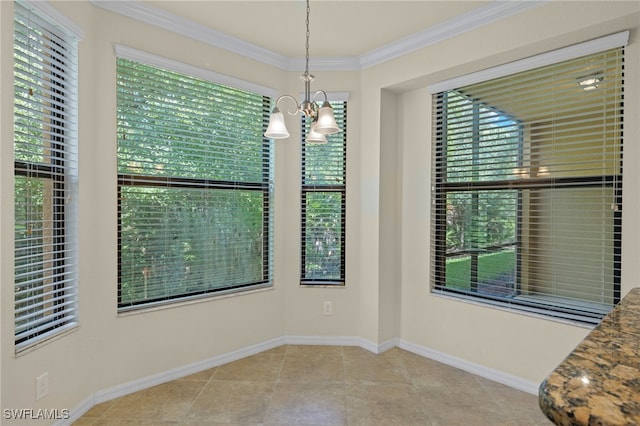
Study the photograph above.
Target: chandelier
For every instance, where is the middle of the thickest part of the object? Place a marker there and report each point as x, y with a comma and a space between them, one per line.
323, 121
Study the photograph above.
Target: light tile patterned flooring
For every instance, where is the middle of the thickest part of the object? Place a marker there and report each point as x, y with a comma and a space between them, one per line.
324, 385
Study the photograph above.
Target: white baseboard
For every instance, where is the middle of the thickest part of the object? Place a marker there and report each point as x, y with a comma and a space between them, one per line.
322, 340
470, 367
377, 348
342, 341
167, 376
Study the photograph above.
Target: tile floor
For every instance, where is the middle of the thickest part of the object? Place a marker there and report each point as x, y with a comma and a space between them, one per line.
324, 385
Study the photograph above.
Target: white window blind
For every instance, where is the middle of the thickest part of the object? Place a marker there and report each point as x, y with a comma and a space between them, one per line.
45, 175
324, 204
194, 181
527, 193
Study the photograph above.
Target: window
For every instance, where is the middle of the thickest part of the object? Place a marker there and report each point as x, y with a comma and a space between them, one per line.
45, 175
527, 188
194, 187
323, 205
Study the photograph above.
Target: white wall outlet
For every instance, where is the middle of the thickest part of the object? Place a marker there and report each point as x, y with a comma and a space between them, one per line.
42, 386
328, 308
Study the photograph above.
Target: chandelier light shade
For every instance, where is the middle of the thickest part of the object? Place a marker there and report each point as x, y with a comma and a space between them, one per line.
314, 136
276, 128
323, 121
326, 121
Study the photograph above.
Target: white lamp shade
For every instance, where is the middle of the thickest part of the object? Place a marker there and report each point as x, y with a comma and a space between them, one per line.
326, 123
314, 137
276, 128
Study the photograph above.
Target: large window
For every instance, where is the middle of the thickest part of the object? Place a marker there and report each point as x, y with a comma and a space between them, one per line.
194, 187
45, 175
527, 197
323, 205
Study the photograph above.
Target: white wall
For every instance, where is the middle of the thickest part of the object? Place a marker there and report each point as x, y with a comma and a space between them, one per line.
387, 293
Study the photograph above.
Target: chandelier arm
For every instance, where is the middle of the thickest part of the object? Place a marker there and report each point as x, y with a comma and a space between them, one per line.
297, 110
320, 92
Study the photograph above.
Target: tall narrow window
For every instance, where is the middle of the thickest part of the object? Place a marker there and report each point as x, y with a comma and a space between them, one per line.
323, 205
45, 174
528, 188
194, 187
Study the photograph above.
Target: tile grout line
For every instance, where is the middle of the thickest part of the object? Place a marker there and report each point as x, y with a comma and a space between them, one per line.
186, 414
275, 385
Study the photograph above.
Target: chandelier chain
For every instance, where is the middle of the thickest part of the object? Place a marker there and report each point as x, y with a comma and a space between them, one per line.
307, 43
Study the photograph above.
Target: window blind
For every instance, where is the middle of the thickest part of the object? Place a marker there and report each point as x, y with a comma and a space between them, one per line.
527, 193
45, 175
323, 204
194, 182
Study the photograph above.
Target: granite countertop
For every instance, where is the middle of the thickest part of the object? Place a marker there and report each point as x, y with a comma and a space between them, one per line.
599, 382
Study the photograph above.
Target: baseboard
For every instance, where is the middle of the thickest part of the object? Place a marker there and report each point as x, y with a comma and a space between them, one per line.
342, 341
377, 348
322, 340
167, 376
470, 367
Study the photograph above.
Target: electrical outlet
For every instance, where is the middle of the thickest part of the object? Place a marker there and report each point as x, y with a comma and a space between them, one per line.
328, 308
42, 386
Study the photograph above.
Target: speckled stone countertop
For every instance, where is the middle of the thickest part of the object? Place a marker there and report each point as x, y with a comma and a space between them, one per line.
599, 382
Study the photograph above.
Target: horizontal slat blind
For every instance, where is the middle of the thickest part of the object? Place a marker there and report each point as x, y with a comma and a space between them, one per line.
528, 188
194, 179
324, 204
45, 132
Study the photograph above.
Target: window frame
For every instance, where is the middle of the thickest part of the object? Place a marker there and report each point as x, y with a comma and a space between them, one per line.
440, 188
58, 86
265, 187
308, 188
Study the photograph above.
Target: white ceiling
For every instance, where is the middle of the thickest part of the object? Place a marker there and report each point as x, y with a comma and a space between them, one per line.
338, 28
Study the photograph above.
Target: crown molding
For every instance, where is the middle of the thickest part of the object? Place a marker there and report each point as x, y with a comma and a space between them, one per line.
154, 16
492, 12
